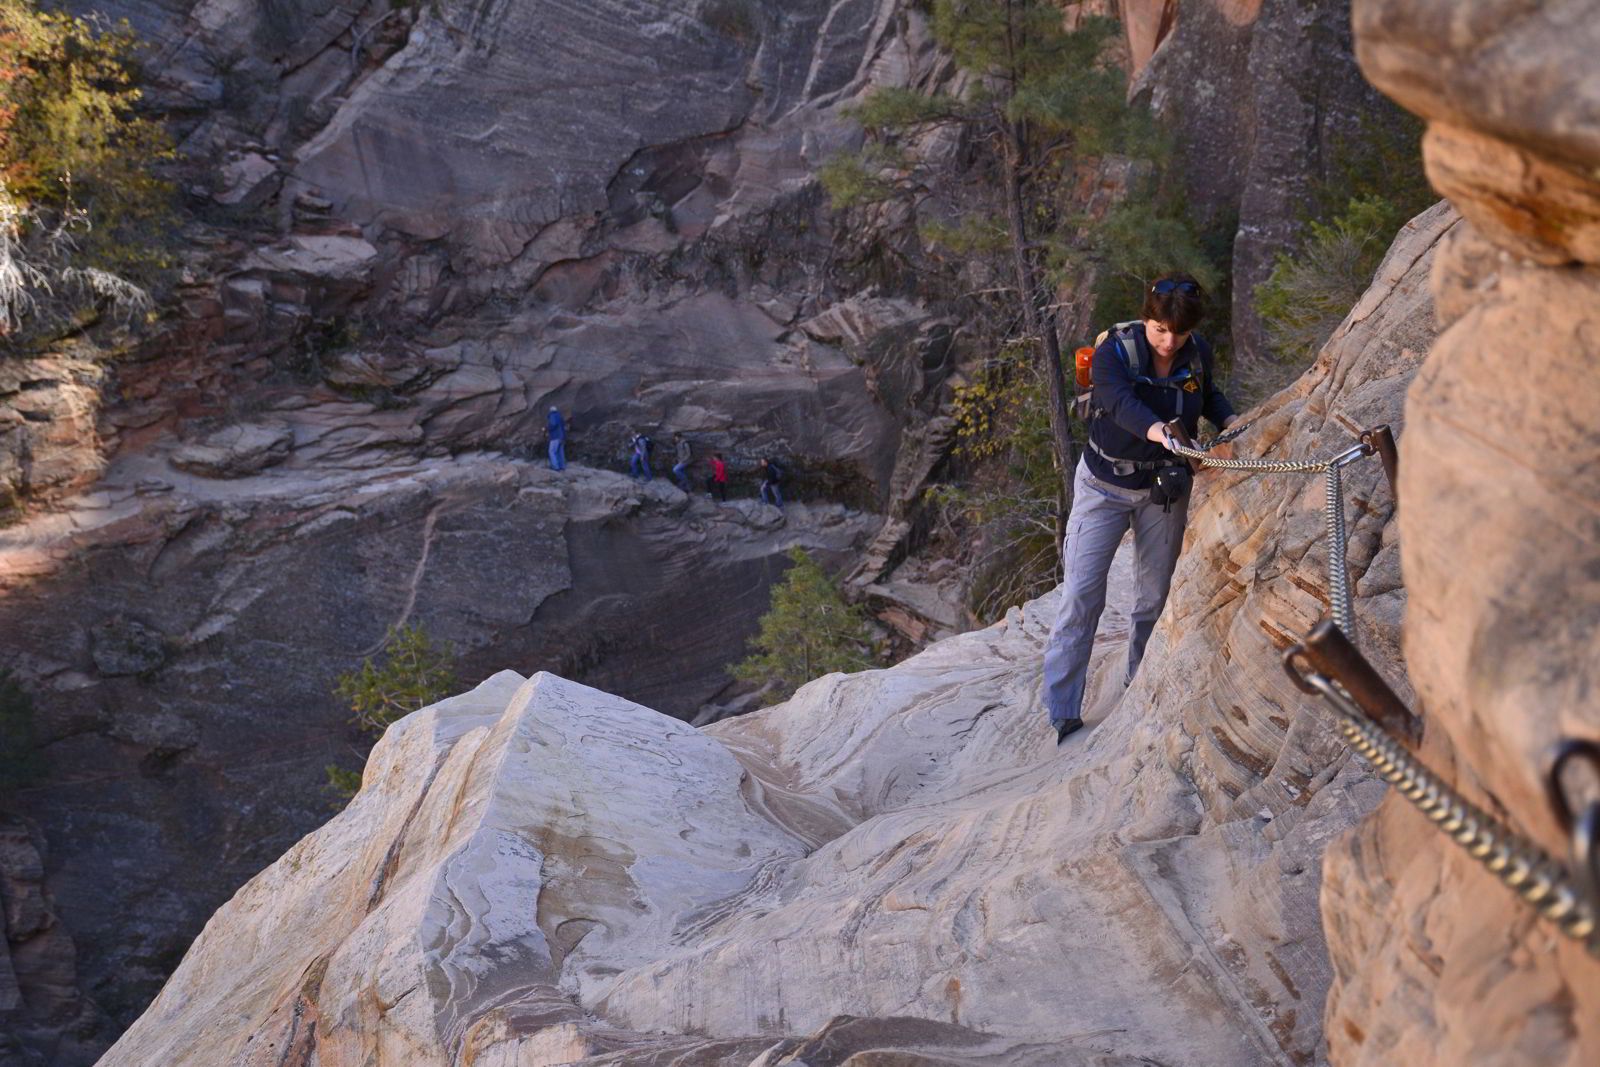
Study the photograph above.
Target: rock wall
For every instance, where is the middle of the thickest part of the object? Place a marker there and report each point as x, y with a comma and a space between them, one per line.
43, 1012
1260, 94
426, 224
1437, 964
894, 866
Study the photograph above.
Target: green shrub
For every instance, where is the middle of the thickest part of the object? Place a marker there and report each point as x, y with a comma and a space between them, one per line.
809, 631
1374, 184
414, 672
1003, 430
1142, 237
1309, 292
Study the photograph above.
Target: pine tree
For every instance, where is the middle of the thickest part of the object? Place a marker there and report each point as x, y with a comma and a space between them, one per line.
809, 631
415, 672
86, 222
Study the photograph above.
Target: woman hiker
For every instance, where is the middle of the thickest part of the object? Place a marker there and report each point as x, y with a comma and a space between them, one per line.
1146, 372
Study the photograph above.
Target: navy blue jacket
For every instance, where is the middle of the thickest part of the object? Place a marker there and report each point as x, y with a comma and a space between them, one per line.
557, 427
1131, 406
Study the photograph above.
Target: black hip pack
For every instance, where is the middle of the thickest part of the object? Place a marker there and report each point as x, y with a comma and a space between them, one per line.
1169, 486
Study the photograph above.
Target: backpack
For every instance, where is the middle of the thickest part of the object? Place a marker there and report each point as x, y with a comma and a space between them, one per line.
1083, 405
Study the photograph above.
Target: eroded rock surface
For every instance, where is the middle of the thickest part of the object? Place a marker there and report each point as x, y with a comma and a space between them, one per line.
44, 1017
48, 409
905, 846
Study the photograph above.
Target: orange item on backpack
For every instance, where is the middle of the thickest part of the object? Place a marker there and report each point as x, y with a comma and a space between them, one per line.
1084, 360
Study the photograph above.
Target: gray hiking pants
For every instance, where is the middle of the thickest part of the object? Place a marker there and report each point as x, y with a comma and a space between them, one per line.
1101, 514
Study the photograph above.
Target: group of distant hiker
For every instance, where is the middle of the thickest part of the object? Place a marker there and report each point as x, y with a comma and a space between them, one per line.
641, 449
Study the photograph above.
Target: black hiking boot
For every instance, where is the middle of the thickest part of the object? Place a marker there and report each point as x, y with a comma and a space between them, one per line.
1066, 727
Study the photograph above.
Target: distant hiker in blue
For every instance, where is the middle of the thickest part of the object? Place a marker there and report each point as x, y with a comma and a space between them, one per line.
771, 476
639, 457
558, 441
1146, 372
680, 469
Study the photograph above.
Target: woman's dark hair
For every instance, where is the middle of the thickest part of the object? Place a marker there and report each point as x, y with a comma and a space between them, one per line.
1176, 299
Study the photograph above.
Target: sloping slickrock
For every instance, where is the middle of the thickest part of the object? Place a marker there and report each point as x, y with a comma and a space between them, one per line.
904, 844
1500, 544
522, 837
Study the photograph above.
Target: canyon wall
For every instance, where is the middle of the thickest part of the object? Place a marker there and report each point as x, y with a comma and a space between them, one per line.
1262, 96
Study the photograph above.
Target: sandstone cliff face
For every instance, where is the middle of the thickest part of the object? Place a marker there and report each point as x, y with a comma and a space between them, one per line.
435, 221
537, 873
1260, 94
1436, 963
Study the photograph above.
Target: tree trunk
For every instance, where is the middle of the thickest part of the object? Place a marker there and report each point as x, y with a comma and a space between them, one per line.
1040, 319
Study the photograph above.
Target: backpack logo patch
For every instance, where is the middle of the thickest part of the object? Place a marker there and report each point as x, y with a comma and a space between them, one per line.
1191, 386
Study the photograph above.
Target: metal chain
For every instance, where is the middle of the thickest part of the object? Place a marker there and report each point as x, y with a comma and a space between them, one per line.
1519, 863
1339, 597
1523, 866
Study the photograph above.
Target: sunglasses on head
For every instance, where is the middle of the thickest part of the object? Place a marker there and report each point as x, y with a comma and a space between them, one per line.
1165, 287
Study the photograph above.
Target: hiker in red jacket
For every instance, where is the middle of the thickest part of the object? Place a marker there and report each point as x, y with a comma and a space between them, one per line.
718, 480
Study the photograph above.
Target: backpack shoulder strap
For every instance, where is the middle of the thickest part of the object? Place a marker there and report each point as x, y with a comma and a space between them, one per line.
1127, 340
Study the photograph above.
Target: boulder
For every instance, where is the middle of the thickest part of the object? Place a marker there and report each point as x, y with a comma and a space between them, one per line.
507, 850
48, 440
41, 1004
